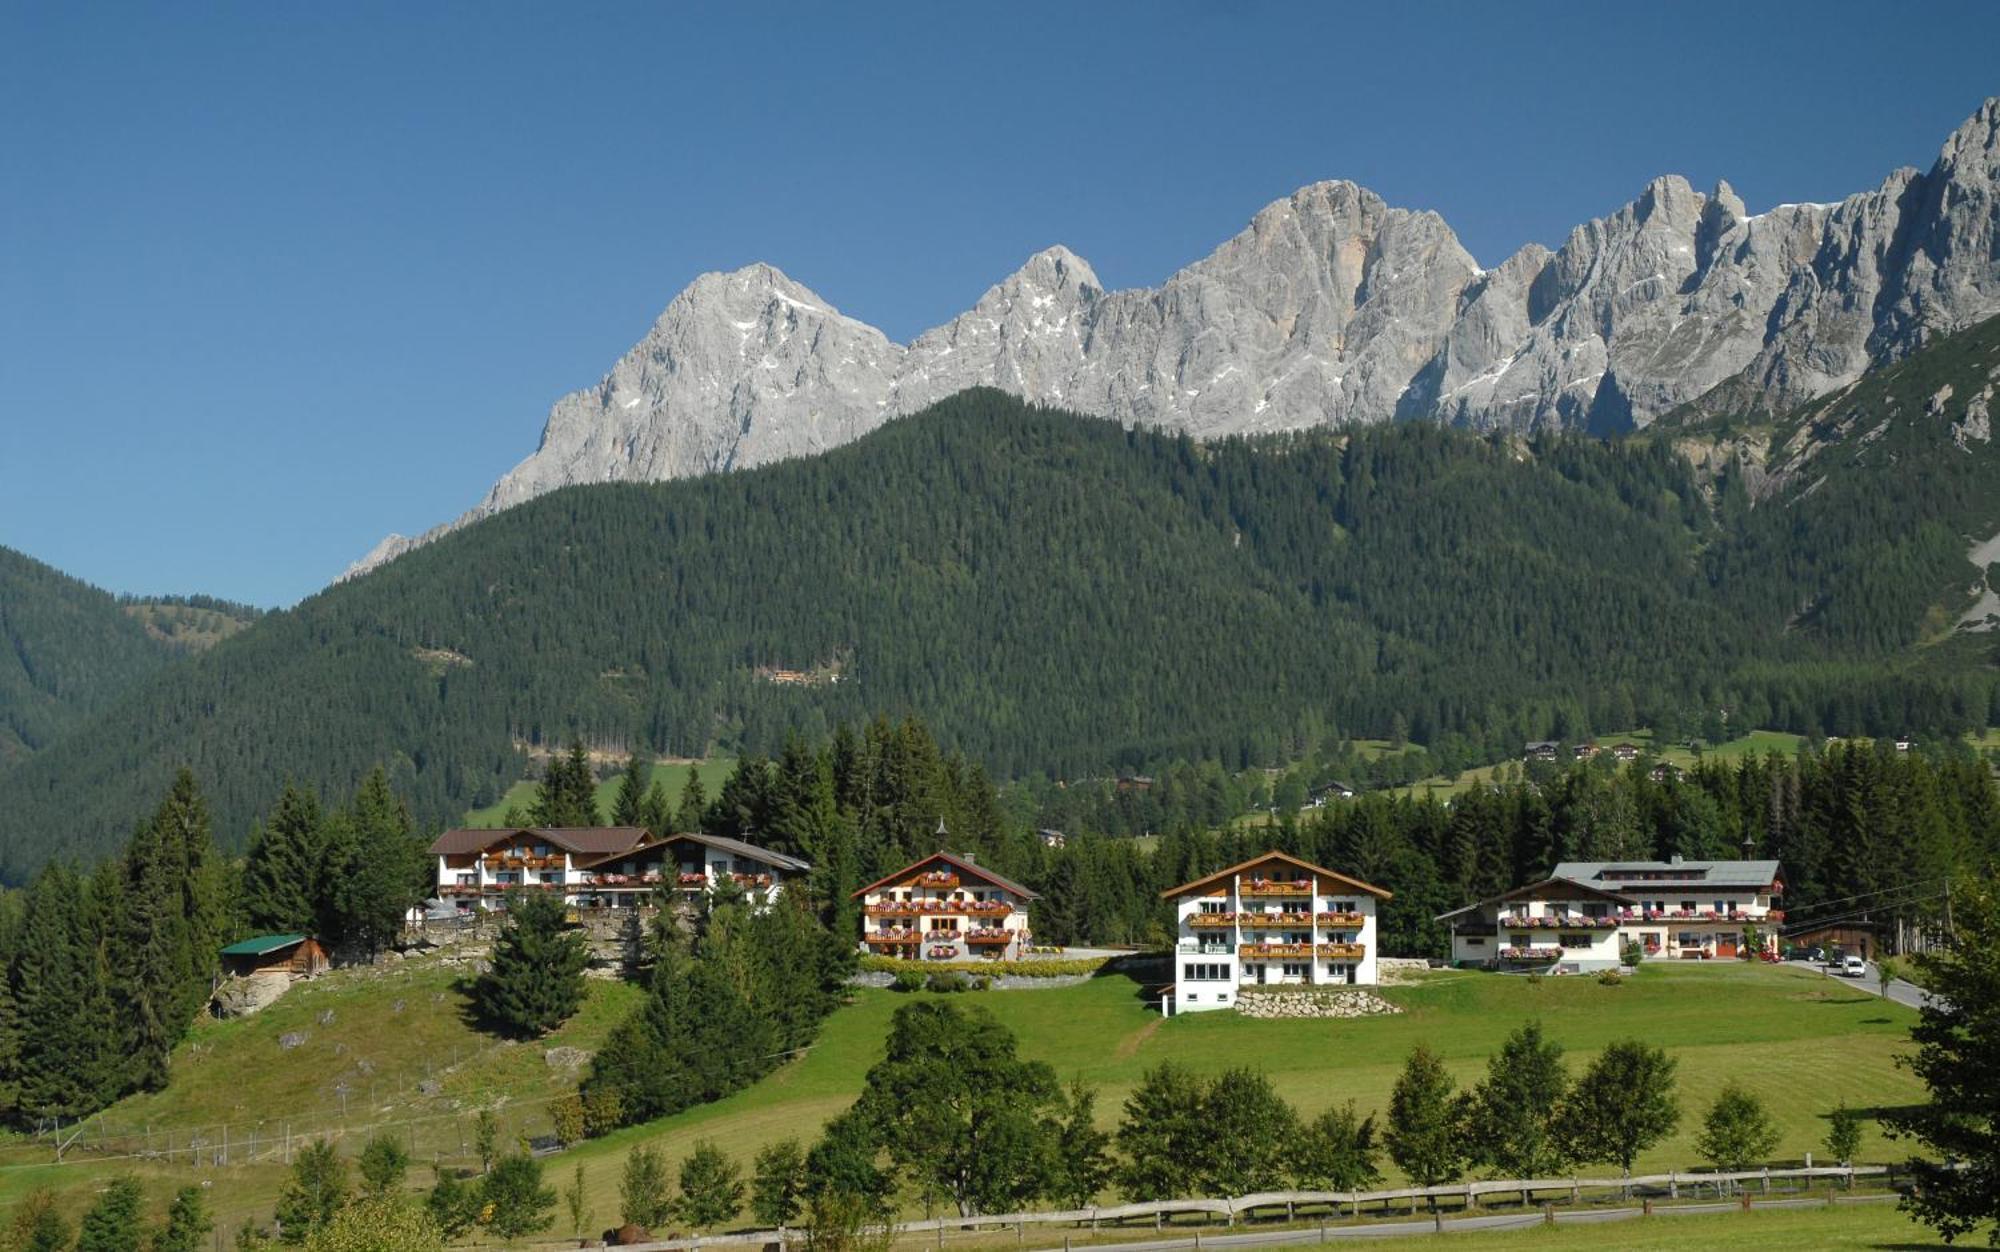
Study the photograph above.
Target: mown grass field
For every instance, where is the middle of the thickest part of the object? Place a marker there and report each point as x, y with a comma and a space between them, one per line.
1756, 743
672, 774
1802, 1041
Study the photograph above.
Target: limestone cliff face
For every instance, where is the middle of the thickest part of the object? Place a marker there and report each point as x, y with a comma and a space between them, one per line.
1330, 307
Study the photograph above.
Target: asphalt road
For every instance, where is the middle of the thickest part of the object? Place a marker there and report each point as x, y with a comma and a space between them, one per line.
1460, 1225
1901, 991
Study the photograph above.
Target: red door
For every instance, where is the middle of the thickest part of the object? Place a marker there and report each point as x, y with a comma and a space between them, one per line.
1725, 946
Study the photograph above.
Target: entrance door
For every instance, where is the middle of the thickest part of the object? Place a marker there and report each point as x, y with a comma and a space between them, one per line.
1725, 947
1260, 974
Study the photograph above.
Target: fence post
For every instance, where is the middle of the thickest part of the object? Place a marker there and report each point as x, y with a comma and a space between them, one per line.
1673, 1185
1548, 1214
1646, 1207
1767, 1180
1744, 1198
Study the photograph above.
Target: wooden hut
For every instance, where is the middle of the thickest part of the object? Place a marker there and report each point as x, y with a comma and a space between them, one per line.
300, 956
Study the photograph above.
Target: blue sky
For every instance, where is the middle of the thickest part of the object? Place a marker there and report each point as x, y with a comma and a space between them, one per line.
278, 279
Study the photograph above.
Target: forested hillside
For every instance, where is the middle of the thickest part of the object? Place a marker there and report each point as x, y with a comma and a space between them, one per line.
1053, 594
66, 650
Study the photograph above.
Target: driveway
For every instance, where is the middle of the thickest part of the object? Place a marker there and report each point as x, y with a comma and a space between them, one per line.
1900, 990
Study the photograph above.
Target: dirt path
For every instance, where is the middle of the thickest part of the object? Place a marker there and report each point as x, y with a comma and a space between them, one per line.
1129, 1046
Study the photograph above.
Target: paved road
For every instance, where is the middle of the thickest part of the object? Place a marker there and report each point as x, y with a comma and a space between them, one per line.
1900, 990
1461, 1225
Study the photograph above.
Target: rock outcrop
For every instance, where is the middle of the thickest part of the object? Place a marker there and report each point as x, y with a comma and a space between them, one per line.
1330, 307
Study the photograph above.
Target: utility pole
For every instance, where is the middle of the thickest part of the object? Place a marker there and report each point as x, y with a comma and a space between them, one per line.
1951, 935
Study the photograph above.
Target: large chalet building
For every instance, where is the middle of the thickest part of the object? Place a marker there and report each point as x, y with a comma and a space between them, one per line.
1272, 921
1583, 916
601, 866
945, 907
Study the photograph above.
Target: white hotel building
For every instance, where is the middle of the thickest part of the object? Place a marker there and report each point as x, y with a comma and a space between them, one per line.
1582, 917
602, 866
1273, 921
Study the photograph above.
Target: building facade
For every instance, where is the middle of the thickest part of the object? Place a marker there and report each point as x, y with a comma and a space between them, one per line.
692, 864
600, 866
945, 907
1273, 921
1586, 914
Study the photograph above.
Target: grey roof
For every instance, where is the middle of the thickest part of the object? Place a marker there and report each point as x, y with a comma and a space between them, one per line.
1742, 875
777, 860
582, 840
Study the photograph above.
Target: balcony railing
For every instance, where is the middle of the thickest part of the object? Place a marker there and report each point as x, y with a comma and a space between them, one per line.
1264, 887
988, 908
1341, 919
751, 880
1260, 950
892, 936
937, 879
1275, 921
1215, 921
1196, 947
989, 934
1560, 923
942, 936
891, 909
1343, 951
927, 907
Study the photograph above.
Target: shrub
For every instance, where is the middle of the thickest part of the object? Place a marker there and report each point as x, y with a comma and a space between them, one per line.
1610, 978
570, 1124
908, 980
946, 980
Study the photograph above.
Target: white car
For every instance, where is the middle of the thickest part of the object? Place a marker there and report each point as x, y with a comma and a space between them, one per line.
1853, 967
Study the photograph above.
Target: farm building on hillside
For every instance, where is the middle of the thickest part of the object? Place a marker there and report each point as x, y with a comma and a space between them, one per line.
1274, 920
299, 956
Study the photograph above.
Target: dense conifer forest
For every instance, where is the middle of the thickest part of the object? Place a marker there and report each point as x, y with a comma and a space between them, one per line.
1061, 597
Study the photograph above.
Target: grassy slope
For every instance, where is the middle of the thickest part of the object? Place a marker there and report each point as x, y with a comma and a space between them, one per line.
714, 770
1756, 743
1802, 1041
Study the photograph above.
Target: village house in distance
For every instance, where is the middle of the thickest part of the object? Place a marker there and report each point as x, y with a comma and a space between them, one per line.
1273, 921
945, 907
1582, 917
601, 866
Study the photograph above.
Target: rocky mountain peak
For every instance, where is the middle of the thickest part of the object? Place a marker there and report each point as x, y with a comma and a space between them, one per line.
1330, 306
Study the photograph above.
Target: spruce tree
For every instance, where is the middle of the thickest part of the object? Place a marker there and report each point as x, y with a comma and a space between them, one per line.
281, 870
112, 1223
1083, 1154
315, 1190
386, 877
535, 982
628, 807
514, 1201
187, 1224
691, 815
53, 973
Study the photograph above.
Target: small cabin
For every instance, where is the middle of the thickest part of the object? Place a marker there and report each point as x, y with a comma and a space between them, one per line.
299, 956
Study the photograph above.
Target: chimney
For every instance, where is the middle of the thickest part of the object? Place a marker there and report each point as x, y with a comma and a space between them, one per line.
1675, 859
970, 858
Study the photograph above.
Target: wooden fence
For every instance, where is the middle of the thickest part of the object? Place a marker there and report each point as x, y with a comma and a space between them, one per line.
1287, 1203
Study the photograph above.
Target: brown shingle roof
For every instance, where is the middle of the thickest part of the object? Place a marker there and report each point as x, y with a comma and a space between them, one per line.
1199, 883
968, 866
777, 860
582, 840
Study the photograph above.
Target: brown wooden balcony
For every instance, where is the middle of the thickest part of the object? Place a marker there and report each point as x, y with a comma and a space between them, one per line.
751, 881
989, 935
988, 908
1343, 951
892, 936
1275, 921
1351, 920
891, 908
936, 880
1266, 888
1211, 921
942, 936
1265, 951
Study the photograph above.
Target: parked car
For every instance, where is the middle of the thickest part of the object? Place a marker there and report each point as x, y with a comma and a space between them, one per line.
1816, 954
1853, 967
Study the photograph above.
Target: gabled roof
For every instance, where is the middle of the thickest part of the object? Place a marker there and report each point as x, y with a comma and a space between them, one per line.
263, 944
1739, 875
1553, 880
958, 861
736, 847
582, 840
1199, 884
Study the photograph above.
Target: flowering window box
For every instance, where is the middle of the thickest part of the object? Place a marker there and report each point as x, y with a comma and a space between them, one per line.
692, 880
1340, 919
